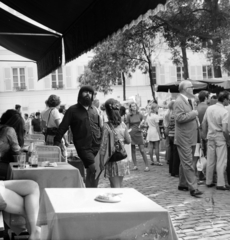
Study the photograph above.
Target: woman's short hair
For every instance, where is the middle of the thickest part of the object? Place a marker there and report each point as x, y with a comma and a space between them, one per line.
112, 108
53, 101
13, 119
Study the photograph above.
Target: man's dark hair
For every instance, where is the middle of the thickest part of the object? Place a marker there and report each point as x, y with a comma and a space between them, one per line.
202, 95
222, 96
17, 106
26, 115
37, 114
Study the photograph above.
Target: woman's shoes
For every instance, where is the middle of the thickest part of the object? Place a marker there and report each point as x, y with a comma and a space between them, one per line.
146, 169
152, 163
135, 168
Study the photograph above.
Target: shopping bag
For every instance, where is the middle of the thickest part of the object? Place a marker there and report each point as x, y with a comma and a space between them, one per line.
202, 162
197, 150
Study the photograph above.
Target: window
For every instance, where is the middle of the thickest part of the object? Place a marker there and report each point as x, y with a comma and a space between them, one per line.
207, 72
180, 73
154, 74
19, 79
57, 78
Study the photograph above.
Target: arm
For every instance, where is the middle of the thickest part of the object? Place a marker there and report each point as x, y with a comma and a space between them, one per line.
63, 127
103, 148
225, 128
127, 139
181, 116
204, 127
13, 141
128, 120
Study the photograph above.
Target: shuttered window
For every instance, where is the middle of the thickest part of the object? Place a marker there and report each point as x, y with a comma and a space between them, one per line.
19, 79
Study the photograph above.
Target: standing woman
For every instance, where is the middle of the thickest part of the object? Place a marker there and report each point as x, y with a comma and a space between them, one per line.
134, 120
153, 135
115, 171
51, 119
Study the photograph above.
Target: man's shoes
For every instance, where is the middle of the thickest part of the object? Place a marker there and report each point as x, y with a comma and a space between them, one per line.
196, 193
182, 188
146, 169
224, 188
211, 185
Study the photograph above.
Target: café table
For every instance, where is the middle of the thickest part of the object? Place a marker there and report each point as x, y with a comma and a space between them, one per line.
75, 214
62, 176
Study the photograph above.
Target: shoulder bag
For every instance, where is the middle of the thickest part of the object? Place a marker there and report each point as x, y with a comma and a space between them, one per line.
120, 152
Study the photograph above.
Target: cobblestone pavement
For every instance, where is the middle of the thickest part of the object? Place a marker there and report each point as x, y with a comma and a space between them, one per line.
206, 218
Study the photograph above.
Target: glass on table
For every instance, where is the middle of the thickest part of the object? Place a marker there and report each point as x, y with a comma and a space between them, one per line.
21, 160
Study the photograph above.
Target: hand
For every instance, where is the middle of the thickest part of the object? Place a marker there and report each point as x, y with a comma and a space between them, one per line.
195, 111
102, 167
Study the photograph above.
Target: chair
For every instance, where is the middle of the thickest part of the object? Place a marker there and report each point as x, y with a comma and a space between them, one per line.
36, 142
48, 153
36, 136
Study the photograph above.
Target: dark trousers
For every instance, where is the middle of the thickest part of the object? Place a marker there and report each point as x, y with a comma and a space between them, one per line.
174, 161
228, 166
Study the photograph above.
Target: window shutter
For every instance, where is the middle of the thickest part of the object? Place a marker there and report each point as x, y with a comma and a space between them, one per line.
30, 78
8, 83
199, 73
162, 75
173, 74
47, 82
68, 77
80, 70
193, 74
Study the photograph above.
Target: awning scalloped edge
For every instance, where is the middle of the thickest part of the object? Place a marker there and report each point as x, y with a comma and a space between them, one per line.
150, 12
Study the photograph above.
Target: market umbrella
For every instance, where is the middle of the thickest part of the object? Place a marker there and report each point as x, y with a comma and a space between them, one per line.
173, 87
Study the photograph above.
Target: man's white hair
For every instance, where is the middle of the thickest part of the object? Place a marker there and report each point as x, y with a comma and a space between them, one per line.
183, 84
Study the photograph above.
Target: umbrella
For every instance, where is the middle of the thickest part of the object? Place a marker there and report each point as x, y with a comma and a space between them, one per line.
173, 87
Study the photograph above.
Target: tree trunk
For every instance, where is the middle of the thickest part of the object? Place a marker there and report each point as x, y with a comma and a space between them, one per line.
185, 60
124, 85
152, 80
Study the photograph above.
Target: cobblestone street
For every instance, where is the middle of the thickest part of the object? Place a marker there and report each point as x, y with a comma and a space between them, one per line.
206, 218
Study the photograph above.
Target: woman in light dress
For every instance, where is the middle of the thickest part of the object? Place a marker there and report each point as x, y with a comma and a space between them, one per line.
153, 134
115, 171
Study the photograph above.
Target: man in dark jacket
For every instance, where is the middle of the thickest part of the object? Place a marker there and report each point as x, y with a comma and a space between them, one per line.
84, 122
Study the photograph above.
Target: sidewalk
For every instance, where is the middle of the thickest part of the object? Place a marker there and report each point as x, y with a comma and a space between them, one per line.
206, 218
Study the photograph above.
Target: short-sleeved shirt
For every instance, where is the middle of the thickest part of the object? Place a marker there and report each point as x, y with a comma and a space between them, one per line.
36, 123
54, 115
215, 116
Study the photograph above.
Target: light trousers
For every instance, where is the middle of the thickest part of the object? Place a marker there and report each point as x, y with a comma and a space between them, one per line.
216, 159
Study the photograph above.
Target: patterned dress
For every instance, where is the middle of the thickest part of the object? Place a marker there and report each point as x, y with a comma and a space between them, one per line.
120, 168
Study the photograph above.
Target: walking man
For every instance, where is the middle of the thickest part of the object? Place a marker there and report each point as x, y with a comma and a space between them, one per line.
84, 122
186, 134
215, 128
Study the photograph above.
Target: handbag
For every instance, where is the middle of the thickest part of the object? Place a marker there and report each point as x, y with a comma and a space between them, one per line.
120, 152
202, 162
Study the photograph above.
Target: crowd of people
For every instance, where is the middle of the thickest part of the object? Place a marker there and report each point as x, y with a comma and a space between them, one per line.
94, 129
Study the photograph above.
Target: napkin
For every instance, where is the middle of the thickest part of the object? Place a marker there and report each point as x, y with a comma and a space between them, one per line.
109, 197
49, 164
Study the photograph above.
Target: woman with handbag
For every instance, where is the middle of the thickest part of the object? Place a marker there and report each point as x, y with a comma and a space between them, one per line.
51, 119
114, 132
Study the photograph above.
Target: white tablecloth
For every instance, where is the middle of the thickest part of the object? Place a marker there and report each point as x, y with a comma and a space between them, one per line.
62, 176
74, 214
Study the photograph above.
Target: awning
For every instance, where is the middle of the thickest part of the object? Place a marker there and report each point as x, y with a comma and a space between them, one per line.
82, 23
174, 87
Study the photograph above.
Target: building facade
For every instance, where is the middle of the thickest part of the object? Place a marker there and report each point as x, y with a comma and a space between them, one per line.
19, 84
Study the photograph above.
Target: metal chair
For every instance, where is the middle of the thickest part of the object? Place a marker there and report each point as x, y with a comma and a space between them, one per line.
36, 136
48, 153
36, 142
